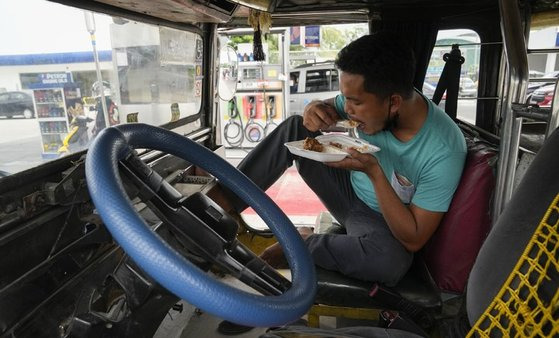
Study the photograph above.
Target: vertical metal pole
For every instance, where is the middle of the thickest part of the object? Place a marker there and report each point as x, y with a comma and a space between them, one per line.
90, 26
285, 70
211, 57
513, 159
515, 50
553, 122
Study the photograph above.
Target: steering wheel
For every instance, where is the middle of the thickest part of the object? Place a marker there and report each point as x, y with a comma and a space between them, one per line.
169, 267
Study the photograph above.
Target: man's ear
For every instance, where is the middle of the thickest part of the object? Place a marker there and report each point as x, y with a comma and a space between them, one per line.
395, 102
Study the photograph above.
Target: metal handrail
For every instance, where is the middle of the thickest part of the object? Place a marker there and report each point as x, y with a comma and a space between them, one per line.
543, 79
554, 113
517, 60
542, 50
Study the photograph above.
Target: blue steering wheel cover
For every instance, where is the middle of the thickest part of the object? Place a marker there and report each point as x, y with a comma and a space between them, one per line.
167, 266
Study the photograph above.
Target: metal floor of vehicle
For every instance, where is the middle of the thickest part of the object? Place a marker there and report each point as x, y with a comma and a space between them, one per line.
195, 323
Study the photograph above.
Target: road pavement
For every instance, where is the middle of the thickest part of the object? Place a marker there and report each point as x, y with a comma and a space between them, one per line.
20, 144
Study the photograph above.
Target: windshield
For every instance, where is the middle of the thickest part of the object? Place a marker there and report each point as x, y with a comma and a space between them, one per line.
66, 74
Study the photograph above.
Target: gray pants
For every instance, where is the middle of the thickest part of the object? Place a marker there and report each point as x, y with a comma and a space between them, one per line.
368, 250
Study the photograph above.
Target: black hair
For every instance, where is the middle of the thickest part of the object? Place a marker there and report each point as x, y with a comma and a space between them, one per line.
384, 59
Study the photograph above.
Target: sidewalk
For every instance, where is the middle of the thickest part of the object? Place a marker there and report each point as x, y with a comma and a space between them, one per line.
290, 193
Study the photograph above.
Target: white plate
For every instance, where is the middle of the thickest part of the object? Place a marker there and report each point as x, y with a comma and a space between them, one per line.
348, 124
348, 142
331, 153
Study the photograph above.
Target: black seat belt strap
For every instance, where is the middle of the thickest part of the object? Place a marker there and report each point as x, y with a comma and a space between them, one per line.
450, 81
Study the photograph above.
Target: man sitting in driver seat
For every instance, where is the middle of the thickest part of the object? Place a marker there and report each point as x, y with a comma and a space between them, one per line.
389, 203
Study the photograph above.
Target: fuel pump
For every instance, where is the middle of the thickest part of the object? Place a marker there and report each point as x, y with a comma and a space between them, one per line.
253, 130
270, 109
233, 131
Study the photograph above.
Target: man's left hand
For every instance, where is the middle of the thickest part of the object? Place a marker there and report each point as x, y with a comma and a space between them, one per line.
356, 161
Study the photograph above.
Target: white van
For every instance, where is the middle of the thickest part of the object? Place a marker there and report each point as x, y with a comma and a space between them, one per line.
313, 81
319, 81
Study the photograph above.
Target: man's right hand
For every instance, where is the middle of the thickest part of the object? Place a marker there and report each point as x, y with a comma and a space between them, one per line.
319, 115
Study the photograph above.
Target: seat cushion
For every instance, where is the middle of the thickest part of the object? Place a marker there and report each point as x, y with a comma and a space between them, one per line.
339, 290
451, 252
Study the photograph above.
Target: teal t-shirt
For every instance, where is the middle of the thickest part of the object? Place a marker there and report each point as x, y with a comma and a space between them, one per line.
424, 171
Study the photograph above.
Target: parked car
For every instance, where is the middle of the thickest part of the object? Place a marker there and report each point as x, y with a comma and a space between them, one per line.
543, 96
468, 88
533, 86
535, 74
429, 90
319, 81
313, 81
16, 103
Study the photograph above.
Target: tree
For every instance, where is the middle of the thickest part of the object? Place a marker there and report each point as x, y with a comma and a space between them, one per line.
355, 33
331, 38
335, 38
270, 39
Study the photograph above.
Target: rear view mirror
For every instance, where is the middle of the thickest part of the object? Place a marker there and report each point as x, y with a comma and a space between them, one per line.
228, 73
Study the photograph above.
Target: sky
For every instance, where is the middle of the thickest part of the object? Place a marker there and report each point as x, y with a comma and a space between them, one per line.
50, 28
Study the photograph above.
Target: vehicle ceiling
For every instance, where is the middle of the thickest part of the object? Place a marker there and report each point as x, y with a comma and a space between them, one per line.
228, 13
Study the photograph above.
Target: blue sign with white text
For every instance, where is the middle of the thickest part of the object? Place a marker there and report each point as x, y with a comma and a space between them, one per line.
51, 80
312, 36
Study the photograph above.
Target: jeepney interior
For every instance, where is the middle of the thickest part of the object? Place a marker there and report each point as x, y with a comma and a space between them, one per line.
118, 237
